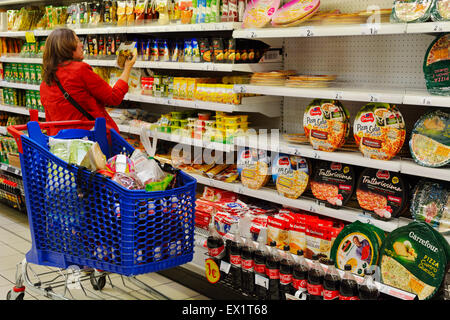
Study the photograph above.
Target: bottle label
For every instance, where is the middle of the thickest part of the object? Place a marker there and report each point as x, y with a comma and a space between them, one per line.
217, 252
314, 289
273, 273
235, 260
285, 278
330, 294
247, 265
299, 283
348, 298
260, 268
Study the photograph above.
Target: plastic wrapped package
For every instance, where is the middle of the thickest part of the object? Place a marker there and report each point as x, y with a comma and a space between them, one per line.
128, 180
259, 13
411, 10
441, 10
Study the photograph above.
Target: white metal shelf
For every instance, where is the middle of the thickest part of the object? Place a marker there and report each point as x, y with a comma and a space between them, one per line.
11, 169
337, 30
18, 110
364, 93
19, 85
269, 106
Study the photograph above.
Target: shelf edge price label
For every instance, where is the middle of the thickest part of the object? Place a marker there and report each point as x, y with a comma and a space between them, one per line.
262, 281
426, 101
371, 29
373, 98
225, 266
339, 95
437, 27
307, 32
212, 271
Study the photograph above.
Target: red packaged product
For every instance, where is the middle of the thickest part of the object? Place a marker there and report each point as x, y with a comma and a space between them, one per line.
218, 195
278, 229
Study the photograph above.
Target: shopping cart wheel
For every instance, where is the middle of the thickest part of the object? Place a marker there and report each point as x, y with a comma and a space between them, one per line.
98, 283
13, 295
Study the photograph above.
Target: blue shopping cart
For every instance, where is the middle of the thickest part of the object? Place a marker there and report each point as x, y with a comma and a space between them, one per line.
82, 218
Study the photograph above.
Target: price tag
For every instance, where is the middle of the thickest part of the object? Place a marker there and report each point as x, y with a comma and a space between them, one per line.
252, 35
29, 36
437, 27
240, 89
262, 281
209, 66
426, 101
373, 98
371, 29
307, 32
364, 218
225, 267
212, 271
339, 95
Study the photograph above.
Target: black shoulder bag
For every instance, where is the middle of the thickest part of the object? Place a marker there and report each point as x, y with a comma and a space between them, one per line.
73, 102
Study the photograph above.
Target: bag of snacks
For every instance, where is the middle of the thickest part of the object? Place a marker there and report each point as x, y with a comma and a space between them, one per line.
125, 51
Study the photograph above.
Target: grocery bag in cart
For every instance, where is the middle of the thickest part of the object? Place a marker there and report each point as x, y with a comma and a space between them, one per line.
79, 217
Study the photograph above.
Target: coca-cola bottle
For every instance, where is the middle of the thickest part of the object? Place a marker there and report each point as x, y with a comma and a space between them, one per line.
215, 244
235, 258
273, 272
315, 280
331, 282
349, 286
300, 273
260, 256
368, 290
248, 264
286, 269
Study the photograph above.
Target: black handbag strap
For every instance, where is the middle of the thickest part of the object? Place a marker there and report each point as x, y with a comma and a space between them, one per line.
73, 102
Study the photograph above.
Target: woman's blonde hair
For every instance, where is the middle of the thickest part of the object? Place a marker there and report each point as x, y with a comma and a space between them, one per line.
59, 48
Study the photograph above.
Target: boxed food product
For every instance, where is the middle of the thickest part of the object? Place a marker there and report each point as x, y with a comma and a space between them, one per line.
291, 175
253, 167
436, 66
278, 229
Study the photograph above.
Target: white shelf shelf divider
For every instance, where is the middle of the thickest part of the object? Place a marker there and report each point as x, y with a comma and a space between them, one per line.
18, 110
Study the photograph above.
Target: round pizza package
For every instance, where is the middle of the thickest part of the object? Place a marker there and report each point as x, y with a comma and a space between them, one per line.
431, 204
358, 245
333, 182
441, 10
253, 167
379, 131
411, 10
430, 139
291, 175
326, 124
295, 10
383, 193
436, 66
413, 259
259, 12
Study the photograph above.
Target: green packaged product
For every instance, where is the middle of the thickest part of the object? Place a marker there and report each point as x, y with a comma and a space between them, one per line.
414, 259
441, 10
160, 185
20, 73
358, 245
32, 74
411, 10
38, 70
430, 139
14, 72
26, 71
436, 66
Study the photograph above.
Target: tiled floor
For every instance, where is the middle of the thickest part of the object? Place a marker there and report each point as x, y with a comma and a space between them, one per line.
15, 241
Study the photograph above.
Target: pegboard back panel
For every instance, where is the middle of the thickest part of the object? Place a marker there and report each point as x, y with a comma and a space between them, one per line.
387, 60
348, 6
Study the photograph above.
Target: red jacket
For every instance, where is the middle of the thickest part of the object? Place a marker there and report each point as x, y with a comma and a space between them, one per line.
85, 87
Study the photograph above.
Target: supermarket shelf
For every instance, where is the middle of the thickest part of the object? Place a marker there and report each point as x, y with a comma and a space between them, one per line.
18, 110
24, 86
179, 139
269, 106
208, 66
11, 169
403, 165
19, 59
337, 30
346, 214
343, 92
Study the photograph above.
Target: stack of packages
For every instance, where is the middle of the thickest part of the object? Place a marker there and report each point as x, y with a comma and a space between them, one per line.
303, 231
226, 209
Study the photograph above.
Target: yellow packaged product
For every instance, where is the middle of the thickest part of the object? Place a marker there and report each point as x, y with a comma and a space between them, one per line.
190, 89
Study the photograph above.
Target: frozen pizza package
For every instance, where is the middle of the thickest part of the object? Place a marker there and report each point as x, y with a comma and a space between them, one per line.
333, 182
431, 204
379, 131
430, 139
254, 167
259, 13
436, 66
441, 10
295, 11
382, 193
411, 10
326, 124
291, 175
414, 259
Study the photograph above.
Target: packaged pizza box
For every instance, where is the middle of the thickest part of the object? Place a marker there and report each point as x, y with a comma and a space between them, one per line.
258, 13
431, 204
436, 66
382, 193
291, 175
253, 167
430, 142
414, 260
411, 10
357, 245
333, 182
326, 124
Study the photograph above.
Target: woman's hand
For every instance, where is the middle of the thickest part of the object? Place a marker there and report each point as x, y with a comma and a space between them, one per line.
129, 63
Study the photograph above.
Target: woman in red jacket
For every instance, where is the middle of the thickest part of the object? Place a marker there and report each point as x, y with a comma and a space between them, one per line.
63, 55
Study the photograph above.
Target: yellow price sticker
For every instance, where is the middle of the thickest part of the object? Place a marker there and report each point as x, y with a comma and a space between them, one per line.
29, 36
212, 271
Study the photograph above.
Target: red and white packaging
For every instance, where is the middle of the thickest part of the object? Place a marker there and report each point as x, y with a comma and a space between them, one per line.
218, 195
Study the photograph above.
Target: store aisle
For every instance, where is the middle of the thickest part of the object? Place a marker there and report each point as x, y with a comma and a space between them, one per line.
15, 241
